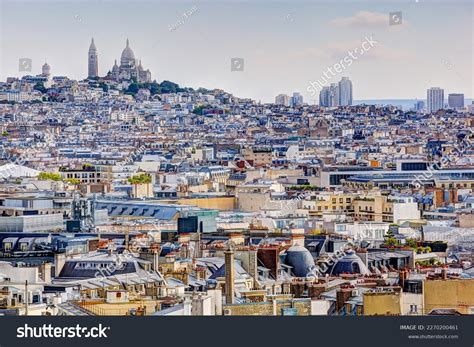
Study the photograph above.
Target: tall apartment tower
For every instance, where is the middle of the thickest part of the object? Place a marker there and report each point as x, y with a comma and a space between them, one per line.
334, 93
456, 100
337, 94
296, 99
282, 99
434, 99
93, 61
345, 92
229, 276
324, 97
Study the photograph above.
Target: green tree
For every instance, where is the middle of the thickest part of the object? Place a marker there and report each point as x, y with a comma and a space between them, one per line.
73, 181
390, 239
133, 88
169, 87
142, 178
40, 87
199, 110
104, 86
154, 88
49, 176
411, 243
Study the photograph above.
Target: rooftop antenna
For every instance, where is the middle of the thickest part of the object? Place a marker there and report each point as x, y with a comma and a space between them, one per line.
26, 298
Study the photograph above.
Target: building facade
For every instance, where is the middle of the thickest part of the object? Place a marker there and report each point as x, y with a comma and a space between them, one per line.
345, 92
435, 99
456, 100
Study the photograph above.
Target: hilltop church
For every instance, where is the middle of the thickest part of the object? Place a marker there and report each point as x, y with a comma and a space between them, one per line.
129, 69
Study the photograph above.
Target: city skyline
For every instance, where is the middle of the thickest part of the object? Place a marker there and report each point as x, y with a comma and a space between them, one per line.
236, 158
180, 45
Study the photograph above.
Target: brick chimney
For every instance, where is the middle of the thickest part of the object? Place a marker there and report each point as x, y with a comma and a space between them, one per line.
229, 276
342, 295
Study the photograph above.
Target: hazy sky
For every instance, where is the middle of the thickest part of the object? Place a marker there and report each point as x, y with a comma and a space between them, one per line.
284, 44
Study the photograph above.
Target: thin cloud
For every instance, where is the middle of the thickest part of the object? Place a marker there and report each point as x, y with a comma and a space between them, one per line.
335, 51
361, 19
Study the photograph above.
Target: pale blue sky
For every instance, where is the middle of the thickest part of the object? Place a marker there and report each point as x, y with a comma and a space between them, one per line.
285, 44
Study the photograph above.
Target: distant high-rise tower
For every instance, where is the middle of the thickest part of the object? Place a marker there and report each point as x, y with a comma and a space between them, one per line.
282, 99
345, 92
93, 60
296, 99
434, 99
456, 100
325, 97
334, 95
337, 94
419, 105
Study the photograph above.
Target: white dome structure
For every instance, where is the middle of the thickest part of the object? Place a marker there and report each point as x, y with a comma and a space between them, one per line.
130, 69
128, 57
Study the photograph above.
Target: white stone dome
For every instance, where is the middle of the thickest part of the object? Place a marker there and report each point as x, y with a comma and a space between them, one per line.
128, 57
